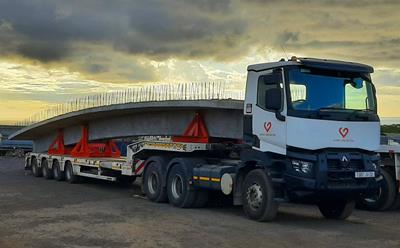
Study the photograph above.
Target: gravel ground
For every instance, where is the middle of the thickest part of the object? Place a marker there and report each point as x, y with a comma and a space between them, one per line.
35, 212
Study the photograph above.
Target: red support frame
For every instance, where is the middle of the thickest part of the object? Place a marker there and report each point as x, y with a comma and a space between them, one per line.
196, 132
85, 149
57, 147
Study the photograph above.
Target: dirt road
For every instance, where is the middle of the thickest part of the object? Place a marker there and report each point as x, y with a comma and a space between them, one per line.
35, 212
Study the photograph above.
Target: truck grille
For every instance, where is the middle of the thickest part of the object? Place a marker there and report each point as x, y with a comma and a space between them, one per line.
339, 172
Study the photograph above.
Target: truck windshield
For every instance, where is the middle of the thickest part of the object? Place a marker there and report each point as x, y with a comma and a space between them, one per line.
320, 90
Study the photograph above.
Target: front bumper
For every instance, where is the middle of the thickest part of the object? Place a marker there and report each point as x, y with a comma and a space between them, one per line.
298, 183
330, 173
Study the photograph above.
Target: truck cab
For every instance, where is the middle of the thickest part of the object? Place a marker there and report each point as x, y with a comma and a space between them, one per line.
317, 121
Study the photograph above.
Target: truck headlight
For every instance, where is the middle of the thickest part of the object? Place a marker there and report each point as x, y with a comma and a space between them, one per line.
302, 166
377, 167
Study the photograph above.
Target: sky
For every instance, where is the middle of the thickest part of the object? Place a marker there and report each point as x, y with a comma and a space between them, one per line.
54, 50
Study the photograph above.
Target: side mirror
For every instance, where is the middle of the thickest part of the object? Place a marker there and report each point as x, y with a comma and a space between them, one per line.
273, 99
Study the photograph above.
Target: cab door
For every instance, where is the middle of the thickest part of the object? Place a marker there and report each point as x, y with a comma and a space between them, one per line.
269, 111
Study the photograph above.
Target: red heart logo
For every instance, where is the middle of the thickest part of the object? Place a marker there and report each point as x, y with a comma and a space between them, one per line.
343, 131
267, 126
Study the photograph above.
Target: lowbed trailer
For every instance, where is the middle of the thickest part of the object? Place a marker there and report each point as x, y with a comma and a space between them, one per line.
304, 139
387, 196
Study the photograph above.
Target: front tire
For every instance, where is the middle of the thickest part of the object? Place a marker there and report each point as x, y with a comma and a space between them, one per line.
258, 196
338, 210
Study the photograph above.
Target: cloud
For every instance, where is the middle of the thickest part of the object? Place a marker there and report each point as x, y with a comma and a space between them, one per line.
60, 46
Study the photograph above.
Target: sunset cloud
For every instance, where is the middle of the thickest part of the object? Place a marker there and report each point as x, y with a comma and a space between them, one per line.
77, 47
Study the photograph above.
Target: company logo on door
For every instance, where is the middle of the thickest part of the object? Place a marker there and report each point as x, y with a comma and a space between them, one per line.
344, 132
268, 129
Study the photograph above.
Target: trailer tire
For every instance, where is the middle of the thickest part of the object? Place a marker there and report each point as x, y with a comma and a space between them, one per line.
35, 169
258, 196
46, 172
385, 196
152, 181
57, 173
180, 193
69, 173
338, 210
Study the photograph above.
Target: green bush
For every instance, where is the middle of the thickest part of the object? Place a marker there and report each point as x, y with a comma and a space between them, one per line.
394, 128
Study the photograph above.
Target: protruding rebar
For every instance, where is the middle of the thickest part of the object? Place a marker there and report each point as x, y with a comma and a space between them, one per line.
161, 92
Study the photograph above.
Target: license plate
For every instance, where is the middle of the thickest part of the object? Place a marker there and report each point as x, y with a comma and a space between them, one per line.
364, 174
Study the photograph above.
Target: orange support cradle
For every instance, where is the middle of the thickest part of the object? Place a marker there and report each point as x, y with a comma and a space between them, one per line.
85, 149
57, 147
196, 132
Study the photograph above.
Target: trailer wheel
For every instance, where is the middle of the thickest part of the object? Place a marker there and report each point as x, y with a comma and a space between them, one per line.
35, 169
383, 198
47, 173
258, 196
152, 181
57, 173
69, 173
180, 193
339, 210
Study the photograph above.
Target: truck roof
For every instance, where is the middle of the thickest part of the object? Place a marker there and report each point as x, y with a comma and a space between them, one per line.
316, 63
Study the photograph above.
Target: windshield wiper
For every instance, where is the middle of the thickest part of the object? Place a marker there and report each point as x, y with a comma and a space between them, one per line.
330, 108
361, 113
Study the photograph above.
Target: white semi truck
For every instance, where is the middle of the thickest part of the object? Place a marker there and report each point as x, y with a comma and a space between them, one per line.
310, 129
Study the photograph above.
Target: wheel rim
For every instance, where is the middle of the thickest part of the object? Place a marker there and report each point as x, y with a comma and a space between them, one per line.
55, 171
254, 196
69, 173
152, 183
44, 171
177, 186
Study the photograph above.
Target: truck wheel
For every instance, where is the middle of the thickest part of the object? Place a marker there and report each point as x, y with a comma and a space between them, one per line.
258, 196
47, 173
57, 173
180, 193
382, 199
35, 169
338, 210
152, 181
69, 173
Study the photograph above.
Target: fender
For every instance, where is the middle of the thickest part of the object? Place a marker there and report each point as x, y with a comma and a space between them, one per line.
251, 156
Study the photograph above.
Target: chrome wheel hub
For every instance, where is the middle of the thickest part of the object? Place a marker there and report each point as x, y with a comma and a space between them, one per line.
254, 196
